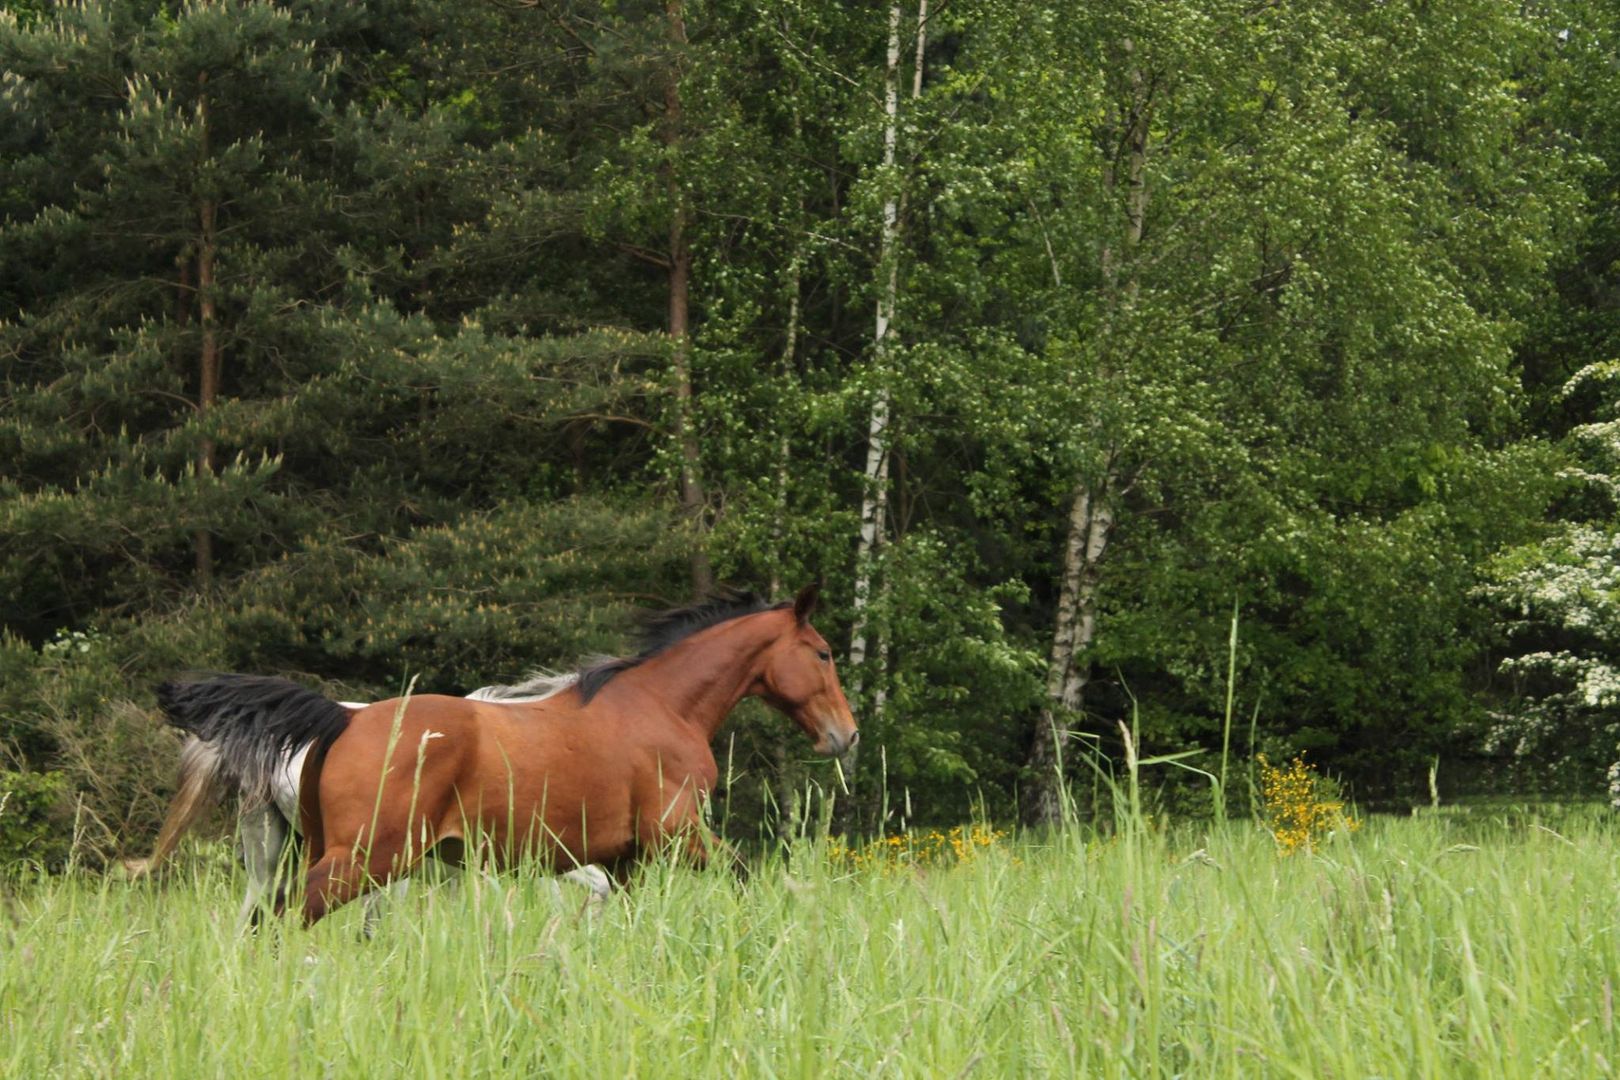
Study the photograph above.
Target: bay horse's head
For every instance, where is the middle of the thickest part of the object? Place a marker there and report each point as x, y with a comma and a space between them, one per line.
798, 677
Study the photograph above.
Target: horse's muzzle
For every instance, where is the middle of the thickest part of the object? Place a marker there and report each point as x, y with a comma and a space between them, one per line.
836, 743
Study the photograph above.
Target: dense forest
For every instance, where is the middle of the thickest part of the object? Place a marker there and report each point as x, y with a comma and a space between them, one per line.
1244, 371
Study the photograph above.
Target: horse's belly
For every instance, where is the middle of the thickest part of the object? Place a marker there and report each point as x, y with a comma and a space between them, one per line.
567, 812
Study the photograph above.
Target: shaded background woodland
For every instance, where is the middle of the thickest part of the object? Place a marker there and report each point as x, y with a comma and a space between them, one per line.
363, 341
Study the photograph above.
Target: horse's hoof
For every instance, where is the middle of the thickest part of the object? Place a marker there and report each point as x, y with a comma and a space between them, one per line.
595, 879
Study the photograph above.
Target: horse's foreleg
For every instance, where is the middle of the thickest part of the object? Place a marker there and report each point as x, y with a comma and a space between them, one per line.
681, 835
701, 847
696, 846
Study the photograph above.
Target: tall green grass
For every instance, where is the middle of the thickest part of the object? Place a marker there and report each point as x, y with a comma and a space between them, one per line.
1440, 946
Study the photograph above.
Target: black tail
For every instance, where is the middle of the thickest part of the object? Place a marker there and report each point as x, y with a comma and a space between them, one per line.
251, 721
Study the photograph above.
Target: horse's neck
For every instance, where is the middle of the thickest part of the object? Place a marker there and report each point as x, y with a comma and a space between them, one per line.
703, 677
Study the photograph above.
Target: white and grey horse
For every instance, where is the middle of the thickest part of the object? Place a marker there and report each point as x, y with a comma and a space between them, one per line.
212, 765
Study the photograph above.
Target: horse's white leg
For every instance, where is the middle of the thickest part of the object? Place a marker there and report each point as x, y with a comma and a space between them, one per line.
593, 877
264, 834
375, 901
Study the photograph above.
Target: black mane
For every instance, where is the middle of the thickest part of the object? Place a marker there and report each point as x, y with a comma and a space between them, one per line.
661, 629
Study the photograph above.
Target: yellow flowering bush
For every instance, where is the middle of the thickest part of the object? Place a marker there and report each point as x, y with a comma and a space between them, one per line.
953, 847
1298, 805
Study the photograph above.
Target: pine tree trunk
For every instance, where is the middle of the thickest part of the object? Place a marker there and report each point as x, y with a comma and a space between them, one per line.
209, 359
694, 501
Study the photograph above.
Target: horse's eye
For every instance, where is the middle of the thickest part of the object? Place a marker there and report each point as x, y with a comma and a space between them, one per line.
823, 655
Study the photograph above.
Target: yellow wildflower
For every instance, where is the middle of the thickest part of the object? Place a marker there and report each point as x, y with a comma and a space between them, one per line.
1297, 805
912, 849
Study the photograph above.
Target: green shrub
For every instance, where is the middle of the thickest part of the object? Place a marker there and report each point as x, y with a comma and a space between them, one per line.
35, 819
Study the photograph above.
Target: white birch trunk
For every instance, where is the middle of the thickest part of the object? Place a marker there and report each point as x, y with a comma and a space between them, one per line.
1091, 517
1075, 627
875, 493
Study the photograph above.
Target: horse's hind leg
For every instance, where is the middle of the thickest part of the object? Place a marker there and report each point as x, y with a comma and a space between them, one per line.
264, 835
333, 881
592, 877
375, 902
341, 874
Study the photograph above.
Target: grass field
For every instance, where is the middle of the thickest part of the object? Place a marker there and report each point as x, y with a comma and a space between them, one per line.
1434, 946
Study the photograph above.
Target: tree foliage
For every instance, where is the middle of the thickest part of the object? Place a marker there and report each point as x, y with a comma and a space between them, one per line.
334, 341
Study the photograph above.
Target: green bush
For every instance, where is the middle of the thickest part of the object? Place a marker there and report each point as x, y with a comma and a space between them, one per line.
35, 819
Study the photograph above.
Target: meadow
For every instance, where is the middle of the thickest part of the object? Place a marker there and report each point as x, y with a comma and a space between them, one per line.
1440, 945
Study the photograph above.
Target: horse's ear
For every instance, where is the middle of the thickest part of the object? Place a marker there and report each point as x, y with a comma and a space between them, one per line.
805, 603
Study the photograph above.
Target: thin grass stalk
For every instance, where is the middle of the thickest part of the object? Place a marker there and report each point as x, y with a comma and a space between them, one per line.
395, 731
1254, 788
1226, 724
883, 789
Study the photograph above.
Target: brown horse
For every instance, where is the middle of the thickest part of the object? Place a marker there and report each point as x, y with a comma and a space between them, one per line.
615, 767
226, 720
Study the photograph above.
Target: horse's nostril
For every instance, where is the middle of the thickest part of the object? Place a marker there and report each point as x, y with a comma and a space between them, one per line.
854, 737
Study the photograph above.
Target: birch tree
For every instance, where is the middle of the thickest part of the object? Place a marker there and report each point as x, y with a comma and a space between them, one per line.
875, 489
867, 676
1200, 258
1125, 140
